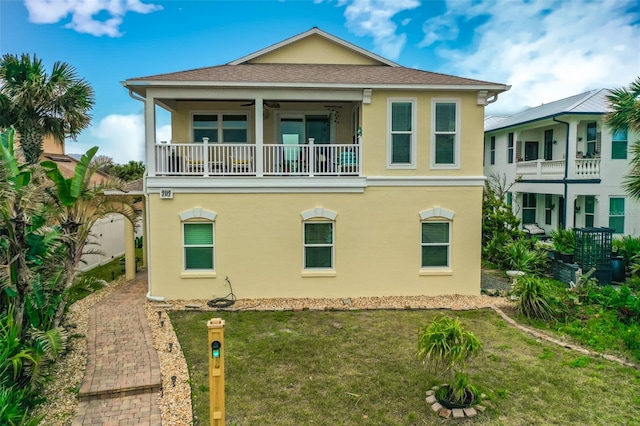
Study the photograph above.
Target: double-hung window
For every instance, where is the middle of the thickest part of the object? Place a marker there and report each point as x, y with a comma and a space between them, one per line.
445, 142
318, 244
528, 208
435, 244
619, 145
616, 214
592, 138
402, 139
510, 148
589, 211
220, 127
198, 242
548, 208
493, 150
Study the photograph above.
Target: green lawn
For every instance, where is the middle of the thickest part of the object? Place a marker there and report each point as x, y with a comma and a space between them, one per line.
359, 368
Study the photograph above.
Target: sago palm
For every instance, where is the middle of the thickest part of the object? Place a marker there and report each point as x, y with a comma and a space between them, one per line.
38, 104
625, 115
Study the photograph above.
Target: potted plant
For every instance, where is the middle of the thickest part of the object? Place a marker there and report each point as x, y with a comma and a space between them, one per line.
564, 242
444, 346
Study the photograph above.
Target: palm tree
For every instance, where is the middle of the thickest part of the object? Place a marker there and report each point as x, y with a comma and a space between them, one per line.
625, 115
38, 105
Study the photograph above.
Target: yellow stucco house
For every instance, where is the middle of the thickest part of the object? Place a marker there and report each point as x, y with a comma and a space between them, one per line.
314, 168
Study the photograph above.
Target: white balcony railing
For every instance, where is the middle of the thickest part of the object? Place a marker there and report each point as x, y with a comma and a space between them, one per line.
554, 169
203, 159
588, 168
551, 169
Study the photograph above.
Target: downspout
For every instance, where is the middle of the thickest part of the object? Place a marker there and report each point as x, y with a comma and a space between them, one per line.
566, 172
146, 212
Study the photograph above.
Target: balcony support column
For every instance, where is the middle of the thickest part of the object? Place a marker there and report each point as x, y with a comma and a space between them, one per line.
150, 133
259, 136
572, 140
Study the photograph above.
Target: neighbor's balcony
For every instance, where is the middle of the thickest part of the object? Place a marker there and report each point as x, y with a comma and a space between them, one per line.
309, 160
588, 168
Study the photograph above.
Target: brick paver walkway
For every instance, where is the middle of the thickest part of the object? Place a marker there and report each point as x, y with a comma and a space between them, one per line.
122, 379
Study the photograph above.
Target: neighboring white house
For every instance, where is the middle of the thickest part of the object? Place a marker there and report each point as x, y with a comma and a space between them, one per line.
565, 164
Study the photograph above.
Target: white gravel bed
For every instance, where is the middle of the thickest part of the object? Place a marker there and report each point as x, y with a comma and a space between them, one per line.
67, 374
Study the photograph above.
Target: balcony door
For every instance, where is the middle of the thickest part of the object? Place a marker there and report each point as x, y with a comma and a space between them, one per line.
296, 129
530, 151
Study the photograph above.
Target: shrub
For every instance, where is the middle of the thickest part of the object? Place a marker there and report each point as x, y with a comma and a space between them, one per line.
445, 345
519, 255
564, 240
460, 393
535, 298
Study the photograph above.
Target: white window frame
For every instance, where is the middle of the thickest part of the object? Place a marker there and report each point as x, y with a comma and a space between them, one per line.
413, 133
456, 133
220, 115
448, 245
623, 215
213, 245
332, 245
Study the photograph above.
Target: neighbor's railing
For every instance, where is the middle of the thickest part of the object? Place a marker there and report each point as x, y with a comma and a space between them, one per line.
588, 168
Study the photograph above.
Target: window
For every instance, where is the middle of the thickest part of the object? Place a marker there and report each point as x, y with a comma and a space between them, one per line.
493, 150
402, 149
619, 145
318, 245
548, 145
510, 148
528, 208
198, 246
592, 138
548, 208
444, 151
218, 127
435, 244
509, 199
589, 210
616, 215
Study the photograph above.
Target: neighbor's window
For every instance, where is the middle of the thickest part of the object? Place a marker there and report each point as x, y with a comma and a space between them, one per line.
218, 127
616, 215
509, 199
445, 133
528, 208
318, 245
401, 138
510, 148
548, 208
435, 244
493, 150
198, 246
619, 145
589, 210
592, 138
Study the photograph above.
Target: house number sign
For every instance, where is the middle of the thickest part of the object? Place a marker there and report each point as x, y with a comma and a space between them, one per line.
166, 194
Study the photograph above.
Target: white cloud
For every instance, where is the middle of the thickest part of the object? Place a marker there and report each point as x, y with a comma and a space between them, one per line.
545, 50
373, 18
120, 137
83, 14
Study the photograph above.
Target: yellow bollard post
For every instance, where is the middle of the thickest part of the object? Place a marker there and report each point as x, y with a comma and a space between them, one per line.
216, 371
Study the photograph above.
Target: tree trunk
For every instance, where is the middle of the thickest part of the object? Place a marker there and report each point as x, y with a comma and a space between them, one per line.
31, 138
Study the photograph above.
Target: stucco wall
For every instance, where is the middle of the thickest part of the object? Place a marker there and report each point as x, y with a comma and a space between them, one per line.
259, 244
314, 50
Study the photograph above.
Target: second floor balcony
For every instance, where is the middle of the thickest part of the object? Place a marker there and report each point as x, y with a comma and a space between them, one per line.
242, 159
583, 168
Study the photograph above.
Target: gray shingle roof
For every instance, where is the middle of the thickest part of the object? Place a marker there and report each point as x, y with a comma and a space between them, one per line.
593, 102
364, 75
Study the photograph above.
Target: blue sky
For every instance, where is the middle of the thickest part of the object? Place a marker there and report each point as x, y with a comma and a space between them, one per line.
545, 49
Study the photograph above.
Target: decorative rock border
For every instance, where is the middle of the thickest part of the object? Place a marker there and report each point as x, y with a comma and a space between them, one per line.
456, 413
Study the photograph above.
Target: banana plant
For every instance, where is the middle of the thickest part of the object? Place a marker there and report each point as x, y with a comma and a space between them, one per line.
81, 204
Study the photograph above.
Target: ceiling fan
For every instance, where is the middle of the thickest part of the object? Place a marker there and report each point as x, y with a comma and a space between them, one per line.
270, 104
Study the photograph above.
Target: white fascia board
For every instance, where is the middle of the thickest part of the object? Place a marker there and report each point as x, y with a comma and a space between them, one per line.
426, 180
357, 86
202, 185
234, 94
305, 34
